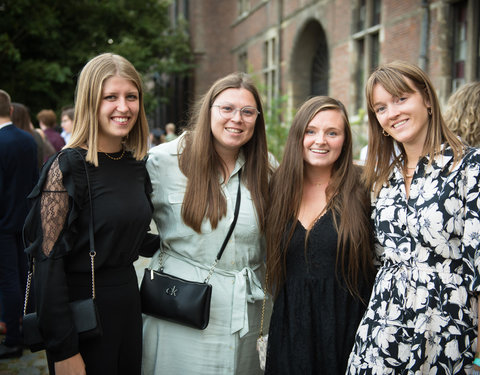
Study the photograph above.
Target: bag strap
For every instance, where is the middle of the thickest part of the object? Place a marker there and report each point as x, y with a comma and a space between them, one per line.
230, 231
227, 237
235, 217
263, 306
92, 251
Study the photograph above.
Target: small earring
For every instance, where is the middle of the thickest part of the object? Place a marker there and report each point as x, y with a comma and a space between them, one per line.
429, 111
385, 134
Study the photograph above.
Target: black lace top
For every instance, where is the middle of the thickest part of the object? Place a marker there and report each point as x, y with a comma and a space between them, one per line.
56, 231
314, 317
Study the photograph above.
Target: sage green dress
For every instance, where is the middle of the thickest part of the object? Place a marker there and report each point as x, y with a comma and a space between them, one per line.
228, 344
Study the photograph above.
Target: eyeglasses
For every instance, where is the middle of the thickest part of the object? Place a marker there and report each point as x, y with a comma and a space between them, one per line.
248, 114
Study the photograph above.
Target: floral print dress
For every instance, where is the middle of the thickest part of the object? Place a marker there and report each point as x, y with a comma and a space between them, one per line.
422, 315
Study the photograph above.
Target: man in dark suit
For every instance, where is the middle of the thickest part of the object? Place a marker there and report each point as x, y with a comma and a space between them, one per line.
18, 175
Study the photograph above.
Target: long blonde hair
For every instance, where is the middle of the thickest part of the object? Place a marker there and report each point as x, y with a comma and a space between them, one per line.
88, 96
201, 163
346, 197
382, 155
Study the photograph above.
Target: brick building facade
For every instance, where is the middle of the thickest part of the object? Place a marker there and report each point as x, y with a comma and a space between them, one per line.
328, 47
307, 47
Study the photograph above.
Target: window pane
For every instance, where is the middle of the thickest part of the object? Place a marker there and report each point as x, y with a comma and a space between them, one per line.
375, 52
460, 44
360, 73
377, 9
361, 15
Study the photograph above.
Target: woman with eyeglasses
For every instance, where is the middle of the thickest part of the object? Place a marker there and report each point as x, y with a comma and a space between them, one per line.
422, 316
195, 180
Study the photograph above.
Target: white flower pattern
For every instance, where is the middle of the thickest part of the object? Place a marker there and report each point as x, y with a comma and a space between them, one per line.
422, 315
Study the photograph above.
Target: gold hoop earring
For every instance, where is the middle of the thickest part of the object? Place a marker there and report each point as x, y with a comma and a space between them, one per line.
429, 111
385, 134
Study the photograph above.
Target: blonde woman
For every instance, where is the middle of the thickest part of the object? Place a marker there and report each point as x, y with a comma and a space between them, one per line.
109, 134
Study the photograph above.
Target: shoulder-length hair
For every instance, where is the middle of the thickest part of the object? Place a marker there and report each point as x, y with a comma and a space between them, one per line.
382, 155
203, 166
88, 97
346, 197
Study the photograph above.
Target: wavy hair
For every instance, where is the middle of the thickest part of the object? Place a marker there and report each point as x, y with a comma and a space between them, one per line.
201, 163
462, 115
382, 156
88, 96
346, 197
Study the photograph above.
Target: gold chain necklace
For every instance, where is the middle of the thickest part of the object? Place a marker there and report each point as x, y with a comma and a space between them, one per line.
118, 157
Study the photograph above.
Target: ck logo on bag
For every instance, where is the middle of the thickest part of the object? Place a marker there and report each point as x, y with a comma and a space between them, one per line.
172, 291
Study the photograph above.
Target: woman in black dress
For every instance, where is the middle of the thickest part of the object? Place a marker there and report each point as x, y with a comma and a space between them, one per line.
110, 133
319, 254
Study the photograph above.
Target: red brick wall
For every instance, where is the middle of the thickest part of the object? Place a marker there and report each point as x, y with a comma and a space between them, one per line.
218, 34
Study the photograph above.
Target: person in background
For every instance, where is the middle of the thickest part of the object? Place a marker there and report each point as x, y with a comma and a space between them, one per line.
422, 317
462, 114
109, 140
18, 175
47, 121
170, 132
156, 137
21, 119
195, 180
319, 245
67, 123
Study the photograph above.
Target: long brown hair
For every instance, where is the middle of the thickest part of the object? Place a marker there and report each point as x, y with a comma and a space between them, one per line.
200, 162
346, 197
382, 156
88, 97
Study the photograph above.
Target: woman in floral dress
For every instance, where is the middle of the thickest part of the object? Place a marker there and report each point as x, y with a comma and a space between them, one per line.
422, 316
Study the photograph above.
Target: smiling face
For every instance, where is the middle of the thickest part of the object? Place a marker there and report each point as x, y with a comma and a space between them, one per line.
405, 118
231, 134
117, 113
323, 139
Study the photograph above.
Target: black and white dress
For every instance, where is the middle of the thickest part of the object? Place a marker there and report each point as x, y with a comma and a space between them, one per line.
422, 316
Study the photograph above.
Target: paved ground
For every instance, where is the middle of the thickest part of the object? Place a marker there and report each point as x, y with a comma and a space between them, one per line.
35, 363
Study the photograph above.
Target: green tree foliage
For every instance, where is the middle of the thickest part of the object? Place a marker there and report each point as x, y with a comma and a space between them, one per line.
44, 44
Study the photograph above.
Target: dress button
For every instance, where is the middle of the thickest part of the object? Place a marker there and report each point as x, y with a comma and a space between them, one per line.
404, 227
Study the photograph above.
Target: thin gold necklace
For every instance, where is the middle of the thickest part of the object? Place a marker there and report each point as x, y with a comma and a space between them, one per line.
118, 157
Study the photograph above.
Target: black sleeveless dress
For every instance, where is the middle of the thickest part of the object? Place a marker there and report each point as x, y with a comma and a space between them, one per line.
314, 317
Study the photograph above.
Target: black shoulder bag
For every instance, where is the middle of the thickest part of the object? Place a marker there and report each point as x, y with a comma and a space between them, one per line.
178, 300
85, 312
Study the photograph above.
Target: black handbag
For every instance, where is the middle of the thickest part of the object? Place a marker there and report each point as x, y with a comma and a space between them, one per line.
84, 312
178, 300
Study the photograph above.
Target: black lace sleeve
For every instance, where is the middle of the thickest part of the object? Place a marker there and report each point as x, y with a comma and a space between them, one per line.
46, 228
53, 208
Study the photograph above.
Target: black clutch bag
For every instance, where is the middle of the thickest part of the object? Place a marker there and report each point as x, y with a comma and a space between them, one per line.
84, 312
178, 300
85, 317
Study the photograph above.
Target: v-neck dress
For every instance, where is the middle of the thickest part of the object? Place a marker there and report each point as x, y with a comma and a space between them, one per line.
314, 317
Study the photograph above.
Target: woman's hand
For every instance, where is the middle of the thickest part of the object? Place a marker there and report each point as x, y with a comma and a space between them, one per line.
71, 366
